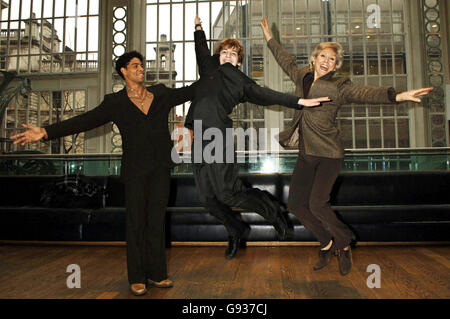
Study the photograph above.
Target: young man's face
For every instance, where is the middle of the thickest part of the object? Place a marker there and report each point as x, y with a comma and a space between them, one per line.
229, 55
134, 71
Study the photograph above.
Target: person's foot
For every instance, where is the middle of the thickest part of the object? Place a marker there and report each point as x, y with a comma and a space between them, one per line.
233, 246
345, 260
234, 243
324, 256
282, 228
138, 289
166, 283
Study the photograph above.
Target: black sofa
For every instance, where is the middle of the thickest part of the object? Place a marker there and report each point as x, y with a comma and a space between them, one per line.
387, 206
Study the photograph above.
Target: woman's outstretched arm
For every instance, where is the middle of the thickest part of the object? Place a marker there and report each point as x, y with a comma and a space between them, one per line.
284, 58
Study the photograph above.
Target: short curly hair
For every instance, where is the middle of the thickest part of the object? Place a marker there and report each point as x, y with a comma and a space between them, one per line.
125, 58
233, 44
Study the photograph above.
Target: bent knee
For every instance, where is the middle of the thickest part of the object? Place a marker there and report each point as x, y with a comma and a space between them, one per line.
295, 204
227, 198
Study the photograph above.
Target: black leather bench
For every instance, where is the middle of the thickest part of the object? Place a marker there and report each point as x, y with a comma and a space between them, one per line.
391, 206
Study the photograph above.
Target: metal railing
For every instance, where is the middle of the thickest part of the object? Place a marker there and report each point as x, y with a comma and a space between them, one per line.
386, 160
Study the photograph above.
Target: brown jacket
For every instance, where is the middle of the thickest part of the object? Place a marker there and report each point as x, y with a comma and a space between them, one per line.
317, 125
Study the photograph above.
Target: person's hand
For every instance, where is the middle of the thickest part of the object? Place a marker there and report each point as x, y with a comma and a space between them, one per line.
33, 134
313, 102
198, 21
412, 95
265, 28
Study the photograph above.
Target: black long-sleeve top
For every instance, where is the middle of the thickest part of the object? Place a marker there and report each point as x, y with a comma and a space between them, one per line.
222, 87
146, 141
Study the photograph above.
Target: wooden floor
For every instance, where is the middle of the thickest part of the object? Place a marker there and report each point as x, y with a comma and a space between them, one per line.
203, 272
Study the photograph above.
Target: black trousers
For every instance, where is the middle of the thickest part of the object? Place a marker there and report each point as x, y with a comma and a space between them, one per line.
220, 189
309, 195
146, 200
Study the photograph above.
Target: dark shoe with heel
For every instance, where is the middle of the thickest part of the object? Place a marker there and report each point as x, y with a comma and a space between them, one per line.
324, 258
233, 247
282, 228
236, 242
345, 260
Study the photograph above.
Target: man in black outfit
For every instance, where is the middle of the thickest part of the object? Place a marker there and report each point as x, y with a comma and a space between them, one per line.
141, 114
221, 87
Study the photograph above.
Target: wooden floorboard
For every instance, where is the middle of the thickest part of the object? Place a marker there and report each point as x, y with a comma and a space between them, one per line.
411, 272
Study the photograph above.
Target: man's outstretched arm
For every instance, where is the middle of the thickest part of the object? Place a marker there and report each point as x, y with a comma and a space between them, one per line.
81, 123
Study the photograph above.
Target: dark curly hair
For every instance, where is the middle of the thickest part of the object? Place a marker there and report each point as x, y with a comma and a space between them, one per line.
125, 58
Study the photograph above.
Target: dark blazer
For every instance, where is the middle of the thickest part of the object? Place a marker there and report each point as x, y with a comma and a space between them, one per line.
316, 126
222, 87
146, 140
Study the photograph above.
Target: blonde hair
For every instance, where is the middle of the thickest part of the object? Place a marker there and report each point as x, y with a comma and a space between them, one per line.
335, 46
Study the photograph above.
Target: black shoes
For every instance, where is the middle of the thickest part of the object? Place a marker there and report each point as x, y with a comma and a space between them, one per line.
345, 260
269, 208
233, 246
282, 228
234, 243
324, 258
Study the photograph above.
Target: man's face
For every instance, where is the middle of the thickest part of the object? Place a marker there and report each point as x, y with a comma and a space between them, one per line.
134, 71
229, 55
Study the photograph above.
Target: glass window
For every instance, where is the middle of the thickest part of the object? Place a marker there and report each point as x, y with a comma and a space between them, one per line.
375, 54
49, 36
170, 40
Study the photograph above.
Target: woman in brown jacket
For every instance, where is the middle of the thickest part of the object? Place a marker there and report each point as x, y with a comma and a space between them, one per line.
314, 132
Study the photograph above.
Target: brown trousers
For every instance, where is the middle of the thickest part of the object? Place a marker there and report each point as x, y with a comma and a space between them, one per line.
309, 195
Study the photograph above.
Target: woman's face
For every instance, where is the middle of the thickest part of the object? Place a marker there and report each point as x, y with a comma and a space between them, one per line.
324, 62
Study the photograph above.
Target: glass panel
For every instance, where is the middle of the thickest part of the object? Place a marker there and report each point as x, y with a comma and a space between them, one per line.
48, 8
58, 32
403, 132
189, 64
93, 7
425, 160
375, 133
25, 9
82, 7
81, 33
361, 133
189, 23
92, 35
389, 133
346, 132
203, 13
